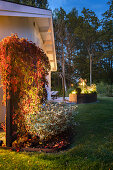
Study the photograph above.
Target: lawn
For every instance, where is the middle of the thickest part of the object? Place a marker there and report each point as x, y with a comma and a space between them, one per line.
92, 146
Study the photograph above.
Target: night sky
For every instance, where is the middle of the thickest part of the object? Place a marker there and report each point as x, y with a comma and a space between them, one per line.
98, 6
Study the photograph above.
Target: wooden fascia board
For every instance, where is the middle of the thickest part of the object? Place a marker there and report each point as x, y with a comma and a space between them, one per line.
11, 9
53, 40
20, 14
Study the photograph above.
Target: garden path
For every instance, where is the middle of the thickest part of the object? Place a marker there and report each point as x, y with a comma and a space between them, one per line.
60, 99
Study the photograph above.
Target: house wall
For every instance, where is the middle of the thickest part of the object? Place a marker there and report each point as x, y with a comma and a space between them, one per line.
20, 25
49, 86
25, 27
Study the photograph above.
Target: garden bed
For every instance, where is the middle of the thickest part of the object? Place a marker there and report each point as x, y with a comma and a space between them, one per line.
57, 143
51, 129
83, 93
83, 98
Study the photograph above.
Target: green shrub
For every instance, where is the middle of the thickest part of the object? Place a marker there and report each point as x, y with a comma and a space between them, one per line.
109, 90
51, 119
104, 89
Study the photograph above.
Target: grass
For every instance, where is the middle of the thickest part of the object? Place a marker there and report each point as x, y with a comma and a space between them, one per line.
92, 147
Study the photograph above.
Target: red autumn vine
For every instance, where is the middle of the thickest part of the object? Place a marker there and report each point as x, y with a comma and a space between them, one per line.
23, 70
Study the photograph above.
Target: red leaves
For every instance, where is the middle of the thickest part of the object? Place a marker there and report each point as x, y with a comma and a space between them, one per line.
24, 66
18, 150
59, 144
21, 60
16, 54
3, 125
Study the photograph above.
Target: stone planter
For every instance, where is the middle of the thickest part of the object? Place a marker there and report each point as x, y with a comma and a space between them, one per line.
83, 98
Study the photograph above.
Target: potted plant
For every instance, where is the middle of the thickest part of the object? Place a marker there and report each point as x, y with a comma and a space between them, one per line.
84, 93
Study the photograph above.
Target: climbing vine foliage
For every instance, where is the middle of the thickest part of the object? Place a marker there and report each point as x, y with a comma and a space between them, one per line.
23, 70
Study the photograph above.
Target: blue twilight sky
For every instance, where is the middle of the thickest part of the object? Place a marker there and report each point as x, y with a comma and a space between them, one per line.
98, 6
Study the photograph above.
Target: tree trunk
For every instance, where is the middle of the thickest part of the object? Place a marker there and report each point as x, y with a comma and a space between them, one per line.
63, 72
90, 70
90, 66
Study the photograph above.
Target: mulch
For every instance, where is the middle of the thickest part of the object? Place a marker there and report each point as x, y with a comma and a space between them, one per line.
58, 143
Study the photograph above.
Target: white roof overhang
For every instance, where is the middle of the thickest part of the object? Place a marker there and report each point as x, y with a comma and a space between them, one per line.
43, 19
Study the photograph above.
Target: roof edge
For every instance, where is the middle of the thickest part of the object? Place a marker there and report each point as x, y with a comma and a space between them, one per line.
13, 7
26, 5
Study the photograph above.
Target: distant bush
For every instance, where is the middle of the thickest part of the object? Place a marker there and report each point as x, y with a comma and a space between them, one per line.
104, 89
110, 90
